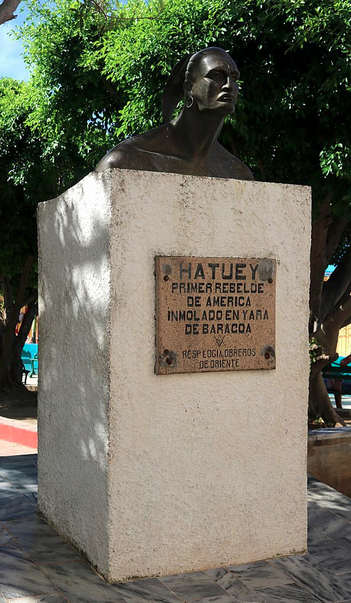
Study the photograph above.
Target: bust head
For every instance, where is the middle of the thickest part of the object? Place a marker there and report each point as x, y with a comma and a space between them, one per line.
207, 79
211, 81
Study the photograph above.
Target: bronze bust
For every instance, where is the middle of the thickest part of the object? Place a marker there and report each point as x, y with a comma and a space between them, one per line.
188, 144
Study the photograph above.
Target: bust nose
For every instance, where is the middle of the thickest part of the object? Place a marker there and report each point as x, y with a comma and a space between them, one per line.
229, 84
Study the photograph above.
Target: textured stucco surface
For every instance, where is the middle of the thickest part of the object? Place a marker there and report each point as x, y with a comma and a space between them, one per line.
188, 471
74, 293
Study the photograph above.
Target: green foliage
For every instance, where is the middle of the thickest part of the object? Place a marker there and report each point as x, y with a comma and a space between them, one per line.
75, 109
316, 352
99, 68
24, 177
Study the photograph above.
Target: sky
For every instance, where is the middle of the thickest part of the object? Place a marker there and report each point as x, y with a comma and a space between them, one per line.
11, 61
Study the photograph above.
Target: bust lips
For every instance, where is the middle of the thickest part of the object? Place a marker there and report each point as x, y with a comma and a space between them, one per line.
225, 97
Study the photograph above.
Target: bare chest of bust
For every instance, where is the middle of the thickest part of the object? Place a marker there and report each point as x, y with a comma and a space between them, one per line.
131, 155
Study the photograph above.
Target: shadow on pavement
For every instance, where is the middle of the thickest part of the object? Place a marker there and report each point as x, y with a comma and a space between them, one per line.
18, 404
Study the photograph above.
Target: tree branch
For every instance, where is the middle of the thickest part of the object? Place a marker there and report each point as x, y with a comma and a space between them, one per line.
27, 323
99, 8
32, 296
7, 291
262, 169
327, 335
110, 87
7, 10
10, 329
318, 256
319, 402
340, 315
346, 323
335, 232
337, 288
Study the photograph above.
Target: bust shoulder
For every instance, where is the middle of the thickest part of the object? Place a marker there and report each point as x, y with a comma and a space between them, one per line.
121, 156
138, 152
229, 166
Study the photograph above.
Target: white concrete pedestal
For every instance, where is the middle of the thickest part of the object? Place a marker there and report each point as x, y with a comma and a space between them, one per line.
151, 474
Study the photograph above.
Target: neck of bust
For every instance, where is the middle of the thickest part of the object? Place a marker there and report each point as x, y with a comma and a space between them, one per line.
196, 132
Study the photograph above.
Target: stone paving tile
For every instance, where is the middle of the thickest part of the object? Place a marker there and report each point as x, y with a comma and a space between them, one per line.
259, 574
40, 541
330, 499
25, 459
193, 586
37, 566
317, 581
330, 554
346, 578
318, 515
287, 593
15, 505
39, 599
20, 476
6, 538
19, 461
339, 529
150, 590
80, 584
221, 599
30, 490
8, 488
19, 576
21, 479
32, 497
227, 580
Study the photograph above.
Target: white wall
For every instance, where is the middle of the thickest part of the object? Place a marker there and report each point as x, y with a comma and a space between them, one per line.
162, 474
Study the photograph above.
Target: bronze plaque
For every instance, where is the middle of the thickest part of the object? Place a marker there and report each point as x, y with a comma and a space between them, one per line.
214, 314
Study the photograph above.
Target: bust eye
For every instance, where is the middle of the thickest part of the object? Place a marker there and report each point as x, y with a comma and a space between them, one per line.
217, 76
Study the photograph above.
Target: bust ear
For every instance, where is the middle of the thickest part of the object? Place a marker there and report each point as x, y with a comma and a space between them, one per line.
174, 90
187, 87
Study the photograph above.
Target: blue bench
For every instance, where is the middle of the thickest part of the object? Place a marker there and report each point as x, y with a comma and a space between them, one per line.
337, 380
29, 358
335, 371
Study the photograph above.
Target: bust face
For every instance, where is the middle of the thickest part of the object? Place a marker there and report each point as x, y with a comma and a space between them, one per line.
214, 81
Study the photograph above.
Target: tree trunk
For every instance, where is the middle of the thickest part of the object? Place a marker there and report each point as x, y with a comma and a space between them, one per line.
330, 302
15, 375
6, 353
319, 402
7, 10
318, 256
327, 337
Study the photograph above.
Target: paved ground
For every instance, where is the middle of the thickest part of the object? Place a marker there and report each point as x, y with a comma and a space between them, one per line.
21, 405
13, 448
36, 565
18, 420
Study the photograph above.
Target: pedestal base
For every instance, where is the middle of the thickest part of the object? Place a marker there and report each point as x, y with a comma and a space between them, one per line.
154, 474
